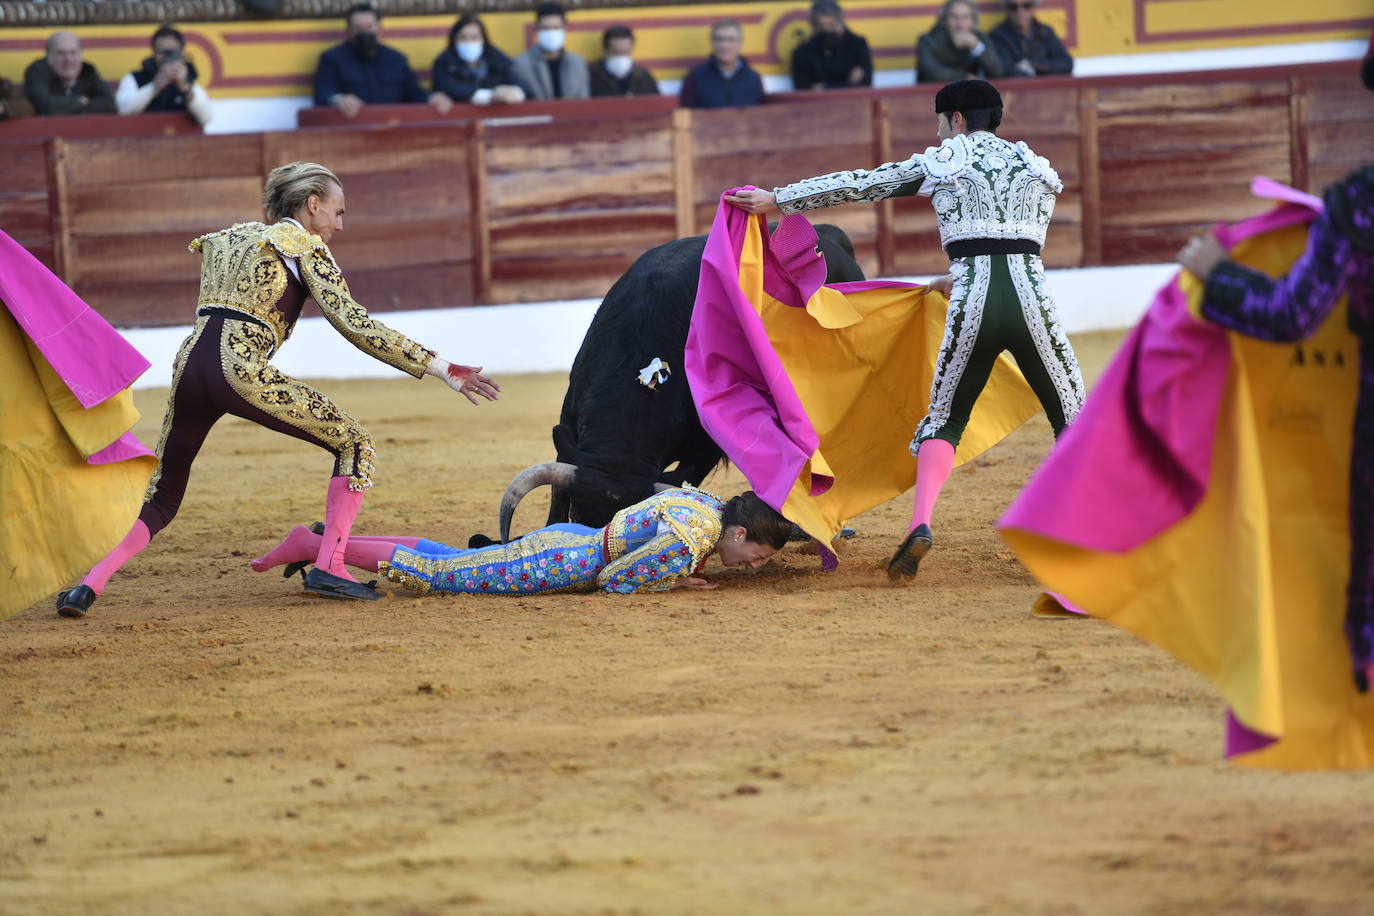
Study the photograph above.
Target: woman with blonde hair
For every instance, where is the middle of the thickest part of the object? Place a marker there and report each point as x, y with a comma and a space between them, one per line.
254, 279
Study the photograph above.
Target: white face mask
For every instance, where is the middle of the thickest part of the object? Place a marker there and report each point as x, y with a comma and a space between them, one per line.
470, 51
620, 66
551, 40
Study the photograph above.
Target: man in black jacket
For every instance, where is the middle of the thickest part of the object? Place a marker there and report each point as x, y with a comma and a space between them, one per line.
617, 73
63, 83
1027, 45
363, 71
833, 57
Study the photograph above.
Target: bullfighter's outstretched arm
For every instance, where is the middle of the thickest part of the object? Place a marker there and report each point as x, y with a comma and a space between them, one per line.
1291, 307
687, 533
654, 567
891, 179
329, 288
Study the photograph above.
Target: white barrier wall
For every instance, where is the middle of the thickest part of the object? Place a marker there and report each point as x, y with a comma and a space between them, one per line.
544, 337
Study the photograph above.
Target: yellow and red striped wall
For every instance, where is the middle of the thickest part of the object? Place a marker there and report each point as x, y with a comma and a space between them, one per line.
264, 59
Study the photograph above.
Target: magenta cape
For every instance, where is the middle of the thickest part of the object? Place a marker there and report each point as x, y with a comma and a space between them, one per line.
72, 474
1143, 441
1163, 509
813, 391
70, 335
747, 402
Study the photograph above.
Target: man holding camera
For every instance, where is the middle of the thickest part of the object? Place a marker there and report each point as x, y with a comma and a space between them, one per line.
164, 82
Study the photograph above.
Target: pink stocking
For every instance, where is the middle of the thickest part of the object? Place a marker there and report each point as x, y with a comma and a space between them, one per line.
302, 544
412, 543
366, 553
340, 509
297, 547
137, 538
934, 461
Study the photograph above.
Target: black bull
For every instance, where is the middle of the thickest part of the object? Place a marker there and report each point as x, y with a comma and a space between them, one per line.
619, 441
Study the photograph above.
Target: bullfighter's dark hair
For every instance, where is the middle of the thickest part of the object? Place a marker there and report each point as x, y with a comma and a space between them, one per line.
761, 521
978, 101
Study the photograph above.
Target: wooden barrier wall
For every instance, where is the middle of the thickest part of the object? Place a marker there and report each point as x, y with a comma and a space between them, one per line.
555, 203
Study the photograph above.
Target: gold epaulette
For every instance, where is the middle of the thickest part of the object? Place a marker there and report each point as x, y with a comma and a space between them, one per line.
702, 528
291, 240
196, 243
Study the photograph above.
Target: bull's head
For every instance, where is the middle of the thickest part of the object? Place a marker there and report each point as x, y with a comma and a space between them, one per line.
592, 497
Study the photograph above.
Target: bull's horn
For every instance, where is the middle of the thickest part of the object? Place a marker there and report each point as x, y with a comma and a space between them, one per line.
554, 473
660, 486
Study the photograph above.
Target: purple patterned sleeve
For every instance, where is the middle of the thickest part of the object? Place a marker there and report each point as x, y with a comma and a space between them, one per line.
1291, 307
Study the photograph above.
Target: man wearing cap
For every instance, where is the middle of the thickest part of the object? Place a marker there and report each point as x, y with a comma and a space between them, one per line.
993, 200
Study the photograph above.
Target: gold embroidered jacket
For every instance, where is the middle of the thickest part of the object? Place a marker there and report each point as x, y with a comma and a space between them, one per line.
242, 269
664, 538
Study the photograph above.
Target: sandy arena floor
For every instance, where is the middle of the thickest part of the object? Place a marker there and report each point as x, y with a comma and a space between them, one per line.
211, 740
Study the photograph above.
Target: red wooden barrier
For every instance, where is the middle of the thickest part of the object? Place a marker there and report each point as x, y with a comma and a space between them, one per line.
156, 123
555, 199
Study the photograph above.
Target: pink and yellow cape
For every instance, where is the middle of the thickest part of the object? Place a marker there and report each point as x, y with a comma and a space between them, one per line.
72, 475
1200, 501
814, 391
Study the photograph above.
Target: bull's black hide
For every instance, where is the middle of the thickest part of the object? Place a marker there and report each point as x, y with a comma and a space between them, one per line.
624, 437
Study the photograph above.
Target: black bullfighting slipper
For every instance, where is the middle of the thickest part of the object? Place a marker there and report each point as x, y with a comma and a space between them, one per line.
908, 557
290, 569
75, 602
327, 585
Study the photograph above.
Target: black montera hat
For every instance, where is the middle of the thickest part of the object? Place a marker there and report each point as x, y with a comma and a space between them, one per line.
967, 95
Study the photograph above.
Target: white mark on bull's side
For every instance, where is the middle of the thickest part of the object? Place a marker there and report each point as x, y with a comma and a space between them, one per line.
654, 374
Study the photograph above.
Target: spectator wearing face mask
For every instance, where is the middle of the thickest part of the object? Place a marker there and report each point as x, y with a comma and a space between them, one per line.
164, 82
473, 70
363, 71
833, 57
617, 73
547, 68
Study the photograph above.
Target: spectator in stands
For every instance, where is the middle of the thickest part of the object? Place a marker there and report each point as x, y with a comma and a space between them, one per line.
550, 70
833, 57
64, 84
1026, 45
954, 49
363, 71
12, 101
472, 69
617, 73
725, 80
164, 82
